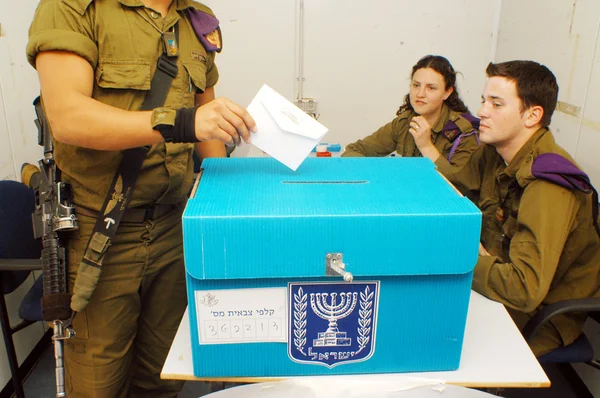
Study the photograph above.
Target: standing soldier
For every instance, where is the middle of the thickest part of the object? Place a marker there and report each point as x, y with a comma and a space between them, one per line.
102, 67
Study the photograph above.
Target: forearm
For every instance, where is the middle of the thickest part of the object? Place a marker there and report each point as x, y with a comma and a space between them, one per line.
372, 146
380, 143
521, 285
83, 121
466, 178
210, 149
67, 83
354, 151
522, 279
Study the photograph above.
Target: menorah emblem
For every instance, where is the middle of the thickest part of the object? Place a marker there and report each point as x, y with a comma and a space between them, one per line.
351, 307
332, 312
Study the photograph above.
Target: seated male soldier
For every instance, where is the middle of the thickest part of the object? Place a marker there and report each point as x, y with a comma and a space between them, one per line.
540, 240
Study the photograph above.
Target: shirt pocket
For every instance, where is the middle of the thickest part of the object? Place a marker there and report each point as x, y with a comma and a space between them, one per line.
196, 74
132, 75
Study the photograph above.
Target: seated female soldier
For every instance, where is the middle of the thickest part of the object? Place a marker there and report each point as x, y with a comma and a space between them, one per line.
432, 105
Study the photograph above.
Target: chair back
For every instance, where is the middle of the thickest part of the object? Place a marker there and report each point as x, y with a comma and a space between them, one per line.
17, 203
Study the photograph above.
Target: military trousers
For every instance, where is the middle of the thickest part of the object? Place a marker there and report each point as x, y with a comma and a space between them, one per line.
124, 334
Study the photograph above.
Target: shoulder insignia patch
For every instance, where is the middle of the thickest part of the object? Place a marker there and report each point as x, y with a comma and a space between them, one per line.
214, 40
451, 134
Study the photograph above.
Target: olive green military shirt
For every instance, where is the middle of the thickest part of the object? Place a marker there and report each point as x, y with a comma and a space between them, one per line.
541, 237
121, 39
394, 136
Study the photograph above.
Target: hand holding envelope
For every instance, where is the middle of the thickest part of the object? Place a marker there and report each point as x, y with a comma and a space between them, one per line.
220, 119
284, 131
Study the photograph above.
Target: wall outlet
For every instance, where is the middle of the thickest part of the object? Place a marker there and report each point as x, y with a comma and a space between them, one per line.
308, 105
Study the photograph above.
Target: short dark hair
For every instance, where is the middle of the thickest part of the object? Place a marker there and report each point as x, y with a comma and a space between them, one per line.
536, 85
442, 66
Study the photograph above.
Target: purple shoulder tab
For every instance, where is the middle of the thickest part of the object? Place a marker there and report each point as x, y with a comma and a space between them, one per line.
206, 28
472, 119
555, 168
450, 125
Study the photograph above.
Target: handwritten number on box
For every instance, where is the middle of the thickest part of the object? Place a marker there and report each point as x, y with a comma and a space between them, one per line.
242, 330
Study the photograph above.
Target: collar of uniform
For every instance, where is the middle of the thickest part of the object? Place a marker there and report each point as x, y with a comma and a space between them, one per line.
132, 3
444, 116
520, 165
183, 4
180, 4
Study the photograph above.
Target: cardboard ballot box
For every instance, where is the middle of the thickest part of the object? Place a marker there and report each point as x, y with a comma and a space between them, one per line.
348, 265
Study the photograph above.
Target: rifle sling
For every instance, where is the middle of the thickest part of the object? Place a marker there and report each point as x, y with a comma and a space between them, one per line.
120, 191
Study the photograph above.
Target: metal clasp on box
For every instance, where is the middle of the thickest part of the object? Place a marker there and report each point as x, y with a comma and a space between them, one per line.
334, 266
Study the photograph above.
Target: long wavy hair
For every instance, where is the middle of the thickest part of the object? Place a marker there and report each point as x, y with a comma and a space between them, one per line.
442, 66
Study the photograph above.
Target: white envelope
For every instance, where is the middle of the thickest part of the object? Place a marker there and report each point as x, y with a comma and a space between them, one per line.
284, 131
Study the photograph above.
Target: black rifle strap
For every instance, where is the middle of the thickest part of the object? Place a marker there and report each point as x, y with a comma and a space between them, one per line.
121, 188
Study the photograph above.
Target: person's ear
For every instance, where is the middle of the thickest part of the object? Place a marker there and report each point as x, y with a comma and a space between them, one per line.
533, 116
448, 93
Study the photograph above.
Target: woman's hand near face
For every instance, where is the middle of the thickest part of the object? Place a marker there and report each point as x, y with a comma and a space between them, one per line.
421, 132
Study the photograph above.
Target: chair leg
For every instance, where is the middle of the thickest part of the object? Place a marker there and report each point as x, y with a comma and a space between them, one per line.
10, 348
578, 386
594, 363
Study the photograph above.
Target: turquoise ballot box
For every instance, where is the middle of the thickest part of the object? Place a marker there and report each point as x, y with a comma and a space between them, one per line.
348, 265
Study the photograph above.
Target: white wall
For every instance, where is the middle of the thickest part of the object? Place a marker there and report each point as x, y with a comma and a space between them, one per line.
563, 35
258, 47
356, 63
18, 140
357, 55
18, 87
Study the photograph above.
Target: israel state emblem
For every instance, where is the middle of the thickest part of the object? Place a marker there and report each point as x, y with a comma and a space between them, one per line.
332, 323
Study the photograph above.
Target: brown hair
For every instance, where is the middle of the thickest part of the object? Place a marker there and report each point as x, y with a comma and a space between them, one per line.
535, 83
442, 66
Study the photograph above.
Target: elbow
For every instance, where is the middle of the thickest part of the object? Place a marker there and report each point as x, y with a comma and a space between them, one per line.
67, 117
532, 300
57, 117
59, 132
529, 306
62, 125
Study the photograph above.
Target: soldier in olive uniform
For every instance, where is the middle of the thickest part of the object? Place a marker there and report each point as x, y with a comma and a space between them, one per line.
433, 107
539, 241
95, 61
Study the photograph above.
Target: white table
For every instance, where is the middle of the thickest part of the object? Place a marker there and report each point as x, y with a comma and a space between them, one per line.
494, 354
